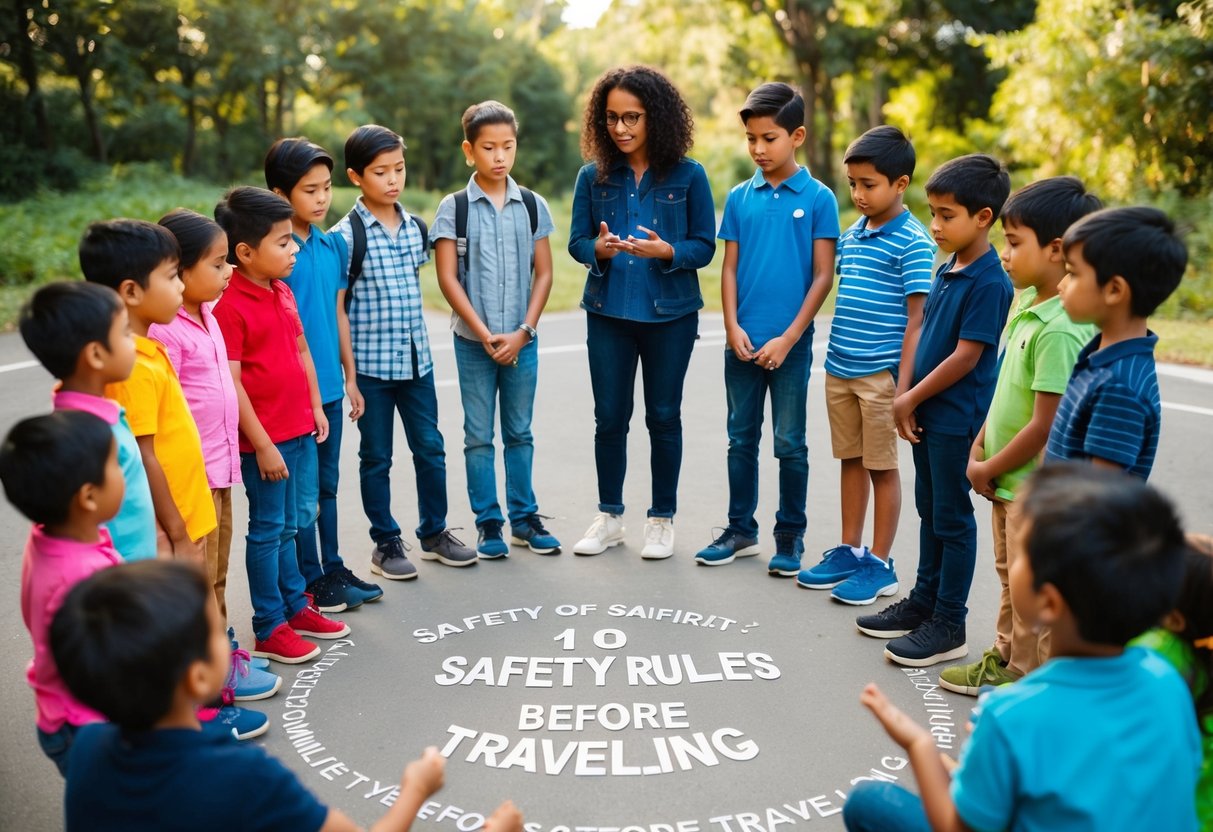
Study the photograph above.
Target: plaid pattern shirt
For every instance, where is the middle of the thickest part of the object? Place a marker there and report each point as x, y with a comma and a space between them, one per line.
386, 324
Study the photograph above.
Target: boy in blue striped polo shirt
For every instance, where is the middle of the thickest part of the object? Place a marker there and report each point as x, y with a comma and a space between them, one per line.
1121, 263
884, 269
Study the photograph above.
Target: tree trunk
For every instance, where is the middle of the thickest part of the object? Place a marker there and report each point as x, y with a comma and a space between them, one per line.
191, 130
28, 63
280, 85
825, 169
84, 78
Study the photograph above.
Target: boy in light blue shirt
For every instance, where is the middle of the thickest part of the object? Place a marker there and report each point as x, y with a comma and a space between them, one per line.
1101, 736
780, 229
884, 268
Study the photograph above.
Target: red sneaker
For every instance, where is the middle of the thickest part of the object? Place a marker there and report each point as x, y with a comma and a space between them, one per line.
284, 645
309, 621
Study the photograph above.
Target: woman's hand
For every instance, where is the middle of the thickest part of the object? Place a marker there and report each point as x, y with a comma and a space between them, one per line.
648, 246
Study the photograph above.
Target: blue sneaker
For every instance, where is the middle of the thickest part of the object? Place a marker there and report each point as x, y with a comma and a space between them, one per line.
241, 723
491, 545
363, 592
836, 566
256, 661
530, 532
873, 579
788, 549
248, 683
727, 547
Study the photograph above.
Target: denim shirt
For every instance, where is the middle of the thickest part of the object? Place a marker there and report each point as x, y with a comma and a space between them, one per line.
678, 208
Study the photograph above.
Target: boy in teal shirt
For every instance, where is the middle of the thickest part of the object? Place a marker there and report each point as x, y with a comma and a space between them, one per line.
1042, 344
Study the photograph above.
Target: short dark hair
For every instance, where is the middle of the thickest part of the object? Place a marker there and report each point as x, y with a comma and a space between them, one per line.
1049, 206
367, 142
1195, 603
126, 635
887, 149
1110, 543
247, 214
1138, 243
778, 100
112, 251
46, 459
288, 160
194, 233
481, 115
61, 319
975, 181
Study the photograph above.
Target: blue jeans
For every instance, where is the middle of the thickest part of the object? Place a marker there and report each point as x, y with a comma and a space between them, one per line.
58, 746
313, 562
746, 386
874, 806
276, 510
947, 538
482, 381
417, 404
615, 346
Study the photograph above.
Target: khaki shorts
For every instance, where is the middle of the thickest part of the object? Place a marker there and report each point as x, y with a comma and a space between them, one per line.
861, 419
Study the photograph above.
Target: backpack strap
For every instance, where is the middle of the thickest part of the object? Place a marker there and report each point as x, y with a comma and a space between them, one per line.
357, 255
423, 229
532, 207
461, 235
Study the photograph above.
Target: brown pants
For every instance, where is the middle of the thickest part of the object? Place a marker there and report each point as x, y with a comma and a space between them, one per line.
1022, 648
219, 547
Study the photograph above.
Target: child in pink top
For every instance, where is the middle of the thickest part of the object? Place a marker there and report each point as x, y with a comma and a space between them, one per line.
61, 471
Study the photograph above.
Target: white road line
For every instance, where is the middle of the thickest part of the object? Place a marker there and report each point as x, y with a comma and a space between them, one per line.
20, 365
1188, 408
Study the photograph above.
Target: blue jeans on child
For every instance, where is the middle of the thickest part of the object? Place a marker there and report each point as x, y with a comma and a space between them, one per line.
482, 382
746, 386
615, 345
947, 538
874, 806
276, 512
417, 403
313, 562
58, 746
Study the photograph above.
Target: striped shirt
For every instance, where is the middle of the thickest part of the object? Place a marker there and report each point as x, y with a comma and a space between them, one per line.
386, 324
877, 269
1111, 408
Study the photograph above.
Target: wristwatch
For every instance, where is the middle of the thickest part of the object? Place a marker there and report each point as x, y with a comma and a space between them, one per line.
529, 330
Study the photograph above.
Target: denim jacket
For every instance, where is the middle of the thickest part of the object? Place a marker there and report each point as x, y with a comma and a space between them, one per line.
678, 208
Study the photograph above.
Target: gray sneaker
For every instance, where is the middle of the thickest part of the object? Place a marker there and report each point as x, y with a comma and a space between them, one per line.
444, 547
388, 559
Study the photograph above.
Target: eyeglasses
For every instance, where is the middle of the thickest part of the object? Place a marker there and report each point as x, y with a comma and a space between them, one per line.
628, 119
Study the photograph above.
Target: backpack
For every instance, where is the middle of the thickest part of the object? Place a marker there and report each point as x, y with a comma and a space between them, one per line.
358, 231
461, 227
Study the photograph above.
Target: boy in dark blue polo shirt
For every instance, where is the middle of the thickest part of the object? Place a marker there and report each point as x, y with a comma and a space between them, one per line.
1121, 263
955, 367
780, 228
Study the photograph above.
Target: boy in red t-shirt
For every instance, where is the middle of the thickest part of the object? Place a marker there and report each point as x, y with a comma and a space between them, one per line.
280, 411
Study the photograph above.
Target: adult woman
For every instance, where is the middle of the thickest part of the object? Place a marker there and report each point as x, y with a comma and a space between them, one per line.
643, 222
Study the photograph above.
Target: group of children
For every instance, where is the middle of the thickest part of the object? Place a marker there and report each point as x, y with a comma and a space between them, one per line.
188, 362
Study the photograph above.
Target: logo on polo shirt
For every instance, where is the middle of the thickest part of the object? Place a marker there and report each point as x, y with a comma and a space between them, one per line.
798, 213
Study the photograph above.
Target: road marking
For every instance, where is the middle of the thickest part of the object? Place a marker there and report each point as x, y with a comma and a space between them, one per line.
20, 365
1188, 408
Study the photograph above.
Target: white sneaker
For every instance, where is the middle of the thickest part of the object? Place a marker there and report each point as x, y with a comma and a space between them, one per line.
606, 531
658, 538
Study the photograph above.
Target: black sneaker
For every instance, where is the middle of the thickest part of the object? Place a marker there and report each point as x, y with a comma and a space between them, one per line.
364, 590
329, 595
444, 547
893, 621
931, 642
388, 559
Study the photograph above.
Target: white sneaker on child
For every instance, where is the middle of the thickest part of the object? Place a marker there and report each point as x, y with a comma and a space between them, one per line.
606, 531
658, 538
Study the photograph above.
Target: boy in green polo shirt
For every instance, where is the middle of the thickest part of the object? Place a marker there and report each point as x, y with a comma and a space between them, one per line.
1041, 346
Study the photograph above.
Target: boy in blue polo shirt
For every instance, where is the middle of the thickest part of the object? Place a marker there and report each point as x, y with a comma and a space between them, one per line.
780, 229
955, 367
1121, 263
884, 271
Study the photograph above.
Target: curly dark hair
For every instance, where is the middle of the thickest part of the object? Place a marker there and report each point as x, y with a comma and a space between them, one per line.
671, 127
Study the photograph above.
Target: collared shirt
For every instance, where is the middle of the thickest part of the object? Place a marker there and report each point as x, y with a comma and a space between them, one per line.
133, 528
969, 304
1111, 408
878, 268
50, 568
1042, 345
775, 229
501, 251
262, 328
199, 355
156, 406
320, 272
386, 322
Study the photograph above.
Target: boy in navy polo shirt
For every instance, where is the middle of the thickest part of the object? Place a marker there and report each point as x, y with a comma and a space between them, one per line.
780, 228
955, 367
1121, 263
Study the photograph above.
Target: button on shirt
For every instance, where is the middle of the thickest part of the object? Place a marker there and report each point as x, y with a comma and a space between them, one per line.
199, 355
500, 254
386, 323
